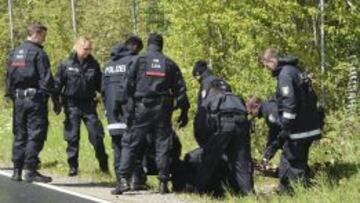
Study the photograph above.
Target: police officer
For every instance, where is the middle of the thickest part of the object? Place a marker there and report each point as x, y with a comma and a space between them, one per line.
205, 77
269, 111
78, 78
230, 137
155, 81
29, 83
297, 103
113, 91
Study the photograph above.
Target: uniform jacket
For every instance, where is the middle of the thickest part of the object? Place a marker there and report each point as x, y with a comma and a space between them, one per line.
154, 75
28, 67
297, 100
79, 81
206, 79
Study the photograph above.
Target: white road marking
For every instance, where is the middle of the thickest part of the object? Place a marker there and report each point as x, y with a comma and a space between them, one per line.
56, 188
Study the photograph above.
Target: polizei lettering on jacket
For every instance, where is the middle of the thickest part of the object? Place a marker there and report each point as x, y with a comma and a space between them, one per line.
115, 69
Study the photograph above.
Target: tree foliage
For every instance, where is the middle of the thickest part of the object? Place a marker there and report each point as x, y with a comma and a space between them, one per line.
230, 34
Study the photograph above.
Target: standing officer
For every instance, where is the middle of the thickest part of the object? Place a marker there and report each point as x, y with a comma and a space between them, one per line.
205, 77
29, 83
78, 79
155, 81
300, 120
113, 91
270, 112
230, 137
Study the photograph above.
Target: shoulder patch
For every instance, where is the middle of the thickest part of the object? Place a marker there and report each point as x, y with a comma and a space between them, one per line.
285, 90
203, 94
271, 118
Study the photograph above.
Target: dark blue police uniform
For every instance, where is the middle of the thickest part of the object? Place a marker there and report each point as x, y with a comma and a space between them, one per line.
155, 81
300, 119
113, 91
29, 83
230, 137
77, 83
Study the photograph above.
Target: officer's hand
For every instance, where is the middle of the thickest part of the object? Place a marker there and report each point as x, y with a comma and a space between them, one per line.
264, 164
183, 119
57, 108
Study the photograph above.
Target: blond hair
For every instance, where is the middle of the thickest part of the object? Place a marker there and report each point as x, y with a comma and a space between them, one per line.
81, 41
270, 53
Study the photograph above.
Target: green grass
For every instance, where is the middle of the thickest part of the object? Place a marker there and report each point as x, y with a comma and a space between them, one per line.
335, 160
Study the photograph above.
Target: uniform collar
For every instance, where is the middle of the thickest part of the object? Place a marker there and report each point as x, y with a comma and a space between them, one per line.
34, 43
154, 47
205, 75
284, 61
75, 59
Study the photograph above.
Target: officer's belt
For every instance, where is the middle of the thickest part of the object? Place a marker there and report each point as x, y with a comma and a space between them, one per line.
157, 99
25, 93
232, 117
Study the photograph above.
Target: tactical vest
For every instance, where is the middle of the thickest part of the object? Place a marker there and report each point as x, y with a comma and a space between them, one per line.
115, 79
153, 77
22, 69
224, 108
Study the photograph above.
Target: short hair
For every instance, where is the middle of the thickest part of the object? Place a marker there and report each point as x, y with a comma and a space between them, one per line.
253, 102
35, 28
81, 41
270, 53
199, 67
157, 39
135, 40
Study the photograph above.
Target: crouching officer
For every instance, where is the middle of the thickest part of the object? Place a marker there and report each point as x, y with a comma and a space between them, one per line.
299, 115
230, 137
270, 112
155, 81
78, 78
29, 83
113, 92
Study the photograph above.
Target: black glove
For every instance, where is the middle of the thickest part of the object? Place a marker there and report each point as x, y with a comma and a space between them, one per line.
183, 119
57, 107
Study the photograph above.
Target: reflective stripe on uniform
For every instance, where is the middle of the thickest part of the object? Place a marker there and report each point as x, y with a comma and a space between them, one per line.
289, 115
305, 134
116, 126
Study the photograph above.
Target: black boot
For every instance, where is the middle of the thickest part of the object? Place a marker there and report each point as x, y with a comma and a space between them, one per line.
163, 188
35, 176
17, 174
138, 179
73, 171
122, 186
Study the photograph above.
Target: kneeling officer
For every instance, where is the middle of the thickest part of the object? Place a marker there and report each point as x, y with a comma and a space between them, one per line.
230, 137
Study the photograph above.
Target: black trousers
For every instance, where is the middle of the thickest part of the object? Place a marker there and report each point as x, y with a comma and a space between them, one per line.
75, 112
152, 117
294, 163
138, 174
232, 139
30, 125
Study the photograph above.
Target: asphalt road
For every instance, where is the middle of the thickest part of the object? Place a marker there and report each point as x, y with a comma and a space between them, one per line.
22, 192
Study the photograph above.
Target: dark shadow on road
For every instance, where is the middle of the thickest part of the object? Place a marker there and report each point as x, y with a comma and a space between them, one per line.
100, 184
